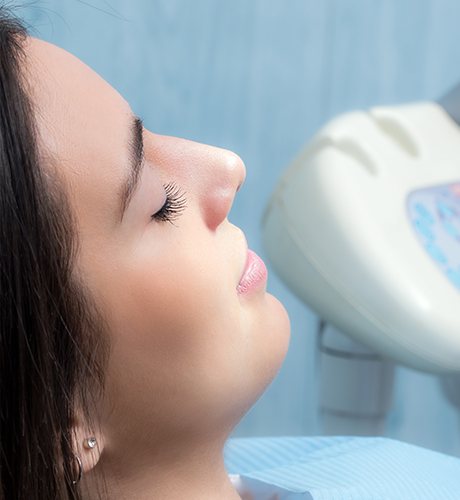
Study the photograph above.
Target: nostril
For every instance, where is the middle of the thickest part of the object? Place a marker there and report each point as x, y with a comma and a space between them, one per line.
216, 206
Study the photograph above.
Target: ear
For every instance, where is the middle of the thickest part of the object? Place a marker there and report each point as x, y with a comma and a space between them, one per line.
88, 445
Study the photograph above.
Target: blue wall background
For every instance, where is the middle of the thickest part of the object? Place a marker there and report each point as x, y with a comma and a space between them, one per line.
260, 77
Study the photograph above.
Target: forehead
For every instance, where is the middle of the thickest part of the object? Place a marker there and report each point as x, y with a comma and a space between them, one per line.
83, 125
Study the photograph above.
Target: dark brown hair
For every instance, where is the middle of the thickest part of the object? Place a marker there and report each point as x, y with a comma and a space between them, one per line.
51, 336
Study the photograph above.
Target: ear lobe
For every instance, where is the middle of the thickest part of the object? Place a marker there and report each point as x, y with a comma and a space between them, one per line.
88, 445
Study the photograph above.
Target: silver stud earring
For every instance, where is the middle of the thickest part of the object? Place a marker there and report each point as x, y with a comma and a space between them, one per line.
90, 443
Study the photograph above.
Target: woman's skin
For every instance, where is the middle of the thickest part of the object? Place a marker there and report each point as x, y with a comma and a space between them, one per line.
189, 353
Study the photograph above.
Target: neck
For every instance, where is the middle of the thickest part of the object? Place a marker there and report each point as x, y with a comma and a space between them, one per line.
196, 473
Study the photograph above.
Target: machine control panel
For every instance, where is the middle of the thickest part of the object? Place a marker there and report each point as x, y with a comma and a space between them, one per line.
434, 213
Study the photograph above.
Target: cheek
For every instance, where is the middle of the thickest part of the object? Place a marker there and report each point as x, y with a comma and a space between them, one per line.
177, 311
179, 333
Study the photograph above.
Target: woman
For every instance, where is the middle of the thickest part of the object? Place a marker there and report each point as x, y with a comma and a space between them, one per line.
136, 329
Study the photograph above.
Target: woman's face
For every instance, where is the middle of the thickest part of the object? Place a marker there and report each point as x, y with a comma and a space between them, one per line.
189, 352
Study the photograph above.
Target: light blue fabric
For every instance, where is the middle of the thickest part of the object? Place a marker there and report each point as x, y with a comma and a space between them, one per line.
341, 468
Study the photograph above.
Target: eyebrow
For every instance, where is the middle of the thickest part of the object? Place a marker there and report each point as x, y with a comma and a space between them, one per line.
136, 161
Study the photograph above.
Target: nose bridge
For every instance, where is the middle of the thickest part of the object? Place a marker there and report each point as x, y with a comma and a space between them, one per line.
224, 172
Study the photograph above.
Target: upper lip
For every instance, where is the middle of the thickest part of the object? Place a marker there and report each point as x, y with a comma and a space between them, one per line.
245, 254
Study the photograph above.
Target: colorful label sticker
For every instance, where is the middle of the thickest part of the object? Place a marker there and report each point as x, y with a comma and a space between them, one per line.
434, 213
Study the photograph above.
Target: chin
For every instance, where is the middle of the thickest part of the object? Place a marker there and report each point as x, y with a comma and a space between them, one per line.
273, 343
270, 333
279, 332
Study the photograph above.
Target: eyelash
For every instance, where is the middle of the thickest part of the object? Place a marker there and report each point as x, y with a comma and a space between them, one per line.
174, 205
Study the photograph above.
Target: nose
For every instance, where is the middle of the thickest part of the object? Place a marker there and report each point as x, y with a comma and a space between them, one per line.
210, 176
224, 174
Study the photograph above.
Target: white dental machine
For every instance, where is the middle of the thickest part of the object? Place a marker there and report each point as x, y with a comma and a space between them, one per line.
364, 227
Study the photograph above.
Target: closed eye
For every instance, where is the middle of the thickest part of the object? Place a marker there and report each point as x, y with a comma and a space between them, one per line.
173, 206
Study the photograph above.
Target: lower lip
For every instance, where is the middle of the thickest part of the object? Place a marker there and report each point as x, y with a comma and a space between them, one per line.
254, 274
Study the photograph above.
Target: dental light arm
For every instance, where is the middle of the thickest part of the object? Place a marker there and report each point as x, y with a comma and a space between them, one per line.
364, 227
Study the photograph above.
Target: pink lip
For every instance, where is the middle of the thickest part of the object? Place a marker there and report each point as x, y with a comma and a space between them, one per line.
254, 274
